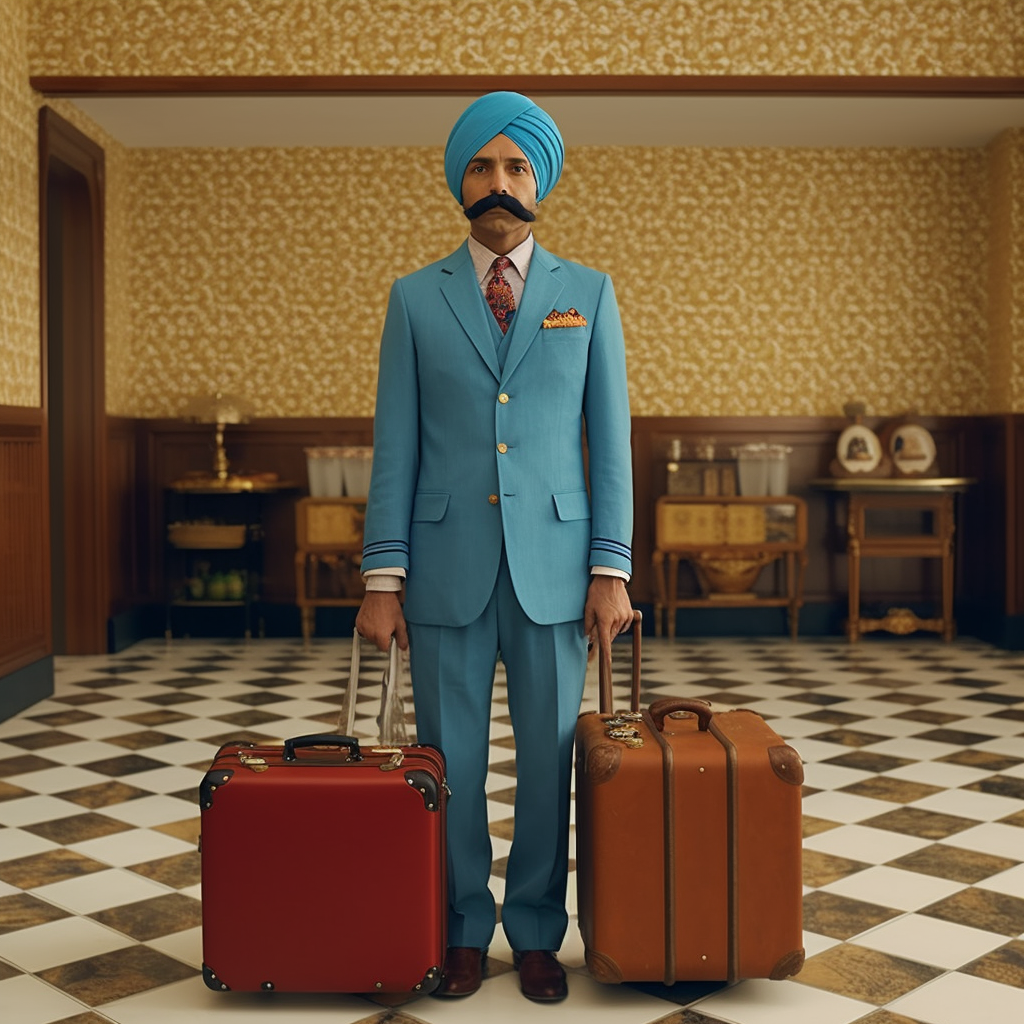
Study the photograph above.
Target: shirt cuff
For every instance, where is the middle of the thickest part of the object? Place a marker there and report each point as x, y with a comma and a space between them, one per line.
607, 570
384, 579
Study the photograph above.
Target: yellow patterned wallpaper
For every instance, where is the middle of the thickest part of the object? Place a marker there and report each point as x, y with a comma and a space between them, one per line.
775, 281
266, 272
19, 225
1001, 260
1006, 272
428, 37
786, 281
751, 282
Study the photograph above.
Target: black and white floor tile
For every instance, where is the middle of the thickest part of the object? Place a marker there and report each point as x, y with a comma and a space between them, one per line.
913, 849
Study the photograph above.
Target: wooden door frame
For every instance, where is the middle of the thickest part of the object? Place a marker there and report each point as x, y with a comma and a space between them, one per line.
75, 164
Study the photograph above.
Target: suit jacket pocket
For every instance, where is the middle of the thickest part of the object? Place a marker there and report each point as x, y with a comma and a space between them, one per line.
572, 505
429, 507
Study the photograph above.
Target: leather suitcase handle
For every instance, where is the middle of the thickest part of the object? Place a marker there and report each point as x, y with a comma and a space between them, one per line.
605, 673
326, 740
660, 709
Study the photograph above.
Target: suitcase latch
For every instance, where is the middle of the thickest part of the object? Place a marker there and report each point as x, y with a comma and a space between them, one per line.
397, 757
622, 717
253, 763
627, 734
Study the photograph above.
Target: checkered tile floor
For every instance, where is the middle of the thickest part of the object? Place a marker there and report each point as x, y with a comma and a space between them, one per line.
914, 833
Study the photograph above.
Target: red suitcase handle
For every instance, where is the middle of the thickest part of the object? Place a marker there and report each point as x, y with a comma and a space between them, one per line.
327, 740
661, 709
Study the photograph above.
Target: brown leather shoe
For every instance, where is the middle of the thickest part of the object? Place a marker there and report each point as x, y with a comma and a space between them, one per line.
541, 976
463, 971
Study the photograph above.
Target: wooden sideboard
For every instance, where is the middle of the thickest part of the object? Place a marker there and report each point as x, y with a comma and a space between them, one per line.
729, 541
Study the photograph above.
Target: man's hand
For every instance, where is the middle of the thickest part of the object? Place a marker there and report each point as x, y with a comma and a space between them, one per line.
608, 611
380, 618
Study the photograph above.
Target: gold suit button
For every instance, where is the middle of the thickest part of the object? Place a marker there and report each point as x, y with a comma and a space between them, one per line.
492, 498
503, 398
502, 447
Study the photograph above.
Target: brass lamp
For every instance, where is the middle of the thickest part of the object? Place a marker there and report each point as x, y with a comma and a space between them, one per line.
221, 410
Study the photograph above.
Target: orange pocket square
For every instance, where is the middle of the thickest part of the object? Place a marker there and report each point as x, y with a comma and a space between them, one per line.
570, 318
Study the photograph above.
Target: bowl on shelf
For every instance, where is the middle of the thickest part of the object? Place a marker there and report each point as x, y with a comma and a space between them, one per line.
206, 535
731, 575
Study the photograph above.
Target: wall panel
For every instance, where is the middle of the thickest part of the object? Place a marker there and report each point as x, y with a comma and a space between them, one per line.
966, 446
24, 545
1015, 516
126, 509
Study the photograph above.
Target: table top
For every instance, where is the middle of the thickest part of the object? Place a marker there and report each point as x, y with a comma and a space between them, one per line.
232, 485
894, 485
729, 499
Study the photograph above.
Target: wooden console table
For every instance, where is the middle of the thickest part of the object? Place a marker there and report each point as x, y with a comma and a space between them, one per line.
931, 501
728, 540
328, 535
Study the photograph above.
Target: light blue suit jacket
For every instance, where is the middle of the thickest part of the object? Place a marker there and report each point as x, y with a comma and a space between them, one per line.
471, 451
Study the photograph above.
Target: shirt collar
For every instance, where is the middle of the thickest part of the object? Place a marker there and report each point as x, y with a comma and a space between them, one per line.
520, 257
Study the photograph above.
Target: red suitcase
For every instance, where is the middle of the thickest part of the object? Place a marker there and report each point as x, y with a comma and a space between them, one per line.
688, 842
324, 867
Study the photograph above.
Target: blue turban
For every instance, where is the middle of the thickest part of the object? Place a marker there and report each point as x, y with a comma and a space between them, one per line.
517, 118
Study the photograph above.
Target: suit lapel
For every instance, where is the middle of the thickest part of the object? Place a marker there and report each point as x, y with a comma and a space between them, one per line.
540, 296
461, 290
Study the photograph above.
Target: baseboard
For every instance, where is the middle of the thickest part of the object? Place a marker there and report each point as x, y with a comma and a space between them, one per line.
27, 686
140, 623
817, 620
283, 620
1005, 631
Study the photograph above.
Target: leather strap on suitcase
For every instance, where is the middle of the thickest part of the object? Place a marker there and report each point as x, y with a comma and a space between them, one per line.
605, 675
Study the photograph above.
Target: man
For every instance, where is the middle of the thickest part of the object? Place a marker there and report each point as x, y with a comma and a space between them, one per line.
479, 499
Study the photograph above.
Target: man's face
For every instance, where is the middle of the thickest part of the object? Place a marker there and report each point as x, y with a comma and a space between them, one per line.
498, 167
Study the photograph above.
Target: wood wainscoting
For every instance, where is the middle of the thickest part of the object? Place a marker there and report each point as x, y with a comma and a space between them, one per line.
1014, 463
146, 456
24, 540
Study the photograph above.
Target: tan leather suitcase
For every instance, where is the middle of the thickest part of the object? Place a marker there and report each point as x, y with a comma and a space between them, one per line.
688, 842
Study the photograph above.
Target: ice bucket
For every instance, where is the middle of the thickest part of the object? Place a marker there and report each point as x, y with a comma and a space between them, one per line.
325, 468
356, 466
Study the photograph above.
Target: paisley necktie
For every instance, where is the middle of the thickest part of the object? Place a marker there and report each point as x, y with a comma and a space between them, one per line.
499, 294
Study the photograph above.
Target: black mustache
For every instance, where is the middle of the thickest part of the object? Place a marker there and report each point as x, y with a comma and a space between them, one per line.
505, 201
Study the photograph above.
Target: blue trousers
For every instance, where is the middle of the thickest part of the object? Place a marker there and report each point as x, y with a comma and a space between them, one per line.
452, 678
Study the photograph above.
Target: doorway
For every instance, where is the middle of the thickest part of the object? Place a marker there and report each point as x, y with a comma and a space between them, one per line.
72, 343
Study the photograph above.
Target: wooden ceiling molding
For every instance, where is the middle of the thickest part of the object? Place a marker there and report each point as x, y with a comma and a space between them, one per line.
551, 85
